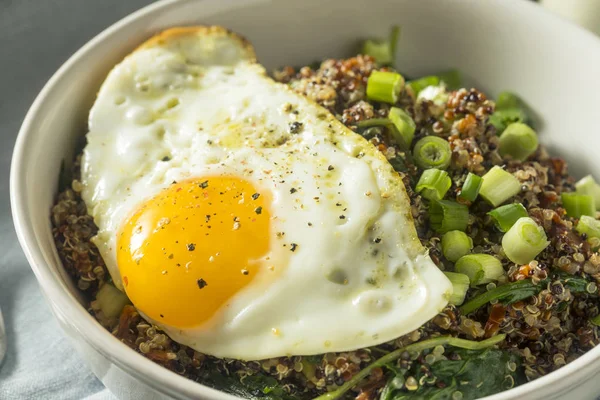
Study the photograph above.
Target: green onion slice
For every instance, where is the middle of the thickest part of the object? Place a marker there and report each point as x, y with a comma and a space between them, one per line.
507, 100
456, 244
448, 215
509, 109
419, 84
589, 226
383, 51
518, 141
460, 286
471, 187
405, 126
480, 268
502, 118
384, 86
498, 186
506, 216
400, 125
111, 300
587, 185
524, 241
578, 204
432, 152
451, 78
433, 184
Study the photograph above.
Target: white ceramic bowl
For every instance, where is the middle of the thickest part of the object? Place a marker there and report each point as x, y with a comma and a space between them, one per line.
499, 44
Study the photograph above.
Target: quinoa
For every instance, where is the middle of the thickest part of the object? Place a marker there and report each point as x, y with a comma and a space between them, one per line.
546, 330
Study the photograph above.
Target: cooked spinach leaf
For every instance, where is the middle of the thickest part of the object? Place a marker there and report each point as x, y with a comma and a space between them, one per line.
521, 290
389, 359
473, 373
507, 294
253, 387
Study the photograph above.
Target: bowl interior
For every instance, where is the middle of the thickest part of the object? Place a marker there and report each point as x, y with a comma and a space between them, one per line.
498, 45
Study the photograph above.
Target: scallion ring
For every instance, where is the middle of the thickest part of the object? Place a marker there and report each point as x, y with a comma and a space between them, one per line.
433, 184
498, 186
456, 244
432, 152
518, 141
506, 216
470, 189
460, 286
524, 241
587, 185
480, 268
383, 51
384, 86
448, 215
404, 125
589, 226
577, 205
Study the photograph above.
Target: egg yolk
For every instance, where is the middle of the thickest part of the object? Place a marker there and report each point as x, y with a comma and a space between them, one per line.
184, 253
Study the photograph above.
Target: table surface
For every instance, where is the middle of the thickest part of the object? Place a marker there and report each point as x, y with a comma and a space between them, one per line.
36, 37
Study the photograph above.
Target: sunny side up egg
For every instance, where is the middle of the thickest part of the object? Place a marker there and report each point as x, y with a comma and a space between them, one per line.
242, 218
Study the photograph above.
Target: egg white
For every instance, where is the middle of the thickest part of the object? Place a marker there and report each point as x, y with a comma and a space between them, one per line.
193, 103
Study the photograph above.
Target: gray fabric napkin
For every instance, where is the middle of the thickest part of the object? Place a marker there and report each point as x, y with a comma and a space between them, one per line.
36, 37
40, 362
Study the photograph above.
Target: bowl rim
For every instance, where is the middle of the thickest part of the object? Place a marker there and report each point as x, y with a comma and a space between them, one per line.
65, 304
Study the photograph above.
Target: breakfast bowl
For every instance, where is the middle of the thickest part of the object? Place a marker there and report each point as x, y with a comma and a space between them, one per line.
497, 45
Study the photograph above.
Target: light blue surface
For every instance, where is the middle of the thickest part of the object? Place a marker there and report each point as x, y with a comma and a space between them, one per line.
36, 37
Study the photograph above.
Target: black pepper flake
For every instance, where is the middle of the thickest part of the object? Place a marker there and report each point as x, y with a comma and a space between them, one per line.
207, 217
255, 196
258, 210
377, 240
342, 217
293, 190
330, 168
310, 224
293, 247
162, 316
191, 246
204, 184
201, 283
166, 158
338, 204
296, 127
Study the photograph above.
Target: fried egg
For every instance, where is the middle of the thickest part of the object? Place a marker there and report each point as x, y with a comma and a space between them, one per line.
240, 217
